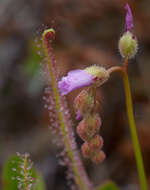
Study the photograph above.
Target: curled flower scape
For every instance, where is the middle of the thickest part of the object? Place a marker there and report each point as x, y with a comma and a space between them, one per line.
129, 18
74, 80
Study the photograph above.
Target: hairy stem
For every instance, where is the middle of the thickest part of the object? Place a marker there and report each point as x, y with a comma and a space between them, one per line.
25, 172
135, 141
80, 176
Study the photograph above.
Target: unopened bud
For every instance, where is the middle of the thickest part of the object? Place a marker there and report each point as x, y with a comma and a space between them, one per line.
96, 142
88, 127
86, 150
128, 45
84, 103
98, 157
89, 148
100, 74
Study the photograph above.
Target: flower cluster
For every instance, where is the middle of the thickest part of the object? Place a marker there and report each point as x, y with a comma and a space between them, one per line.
88, 128
85, 105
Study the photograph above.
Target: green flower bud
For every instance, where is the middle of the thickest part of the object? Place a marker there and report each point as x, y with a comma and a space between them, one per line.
128, 45
100, 74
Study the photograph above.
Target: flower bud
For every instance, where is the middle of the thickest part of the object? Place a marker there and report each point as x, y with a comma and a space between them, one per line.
92, 146
84, 103
100, 74
88, 127
96, 142
128, 45
98, 157
86, 150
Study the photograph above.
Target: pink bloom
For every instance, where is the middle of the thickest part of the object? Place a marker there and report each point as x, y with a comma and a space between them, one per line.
129, 18
75, 79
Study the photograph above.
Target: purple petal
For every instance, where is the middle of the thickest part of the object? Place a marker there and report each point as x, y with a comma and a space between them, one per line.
75, 79
78, 116
129, 18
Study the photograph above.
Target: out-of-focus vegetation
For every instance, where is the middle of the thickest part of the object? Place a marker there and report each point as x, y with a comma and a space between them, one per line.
87, 32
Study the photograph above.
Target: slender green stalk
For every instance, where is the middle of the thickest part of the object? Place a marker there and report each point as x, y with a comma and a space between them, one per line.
25, 172
136, 145
135, 141
79, 174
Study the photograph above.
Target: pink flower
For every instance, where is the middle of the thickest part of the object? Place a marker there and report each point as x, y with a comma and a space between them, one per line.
129, 18
75, 79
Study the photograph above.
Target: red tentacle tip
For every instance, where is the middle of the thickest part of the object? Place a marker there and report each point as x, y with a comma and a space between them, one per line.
49, 34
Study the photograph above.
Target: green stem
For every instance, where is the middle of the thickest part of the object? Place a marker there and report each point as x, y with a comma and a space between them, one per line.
80, 176
25, 172
135, 141
136, 145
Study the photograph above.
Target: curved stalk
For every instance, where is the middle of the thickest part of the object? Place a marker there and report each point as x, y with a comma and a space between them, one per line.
135, 141
80, 176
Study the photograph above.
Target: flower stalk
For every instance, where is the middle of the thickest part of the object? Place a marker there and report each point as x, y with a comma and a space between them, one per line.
134, 136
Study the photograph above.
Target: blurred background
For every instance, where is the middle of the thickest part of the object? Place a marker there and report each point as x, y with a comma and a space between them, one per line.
87, 32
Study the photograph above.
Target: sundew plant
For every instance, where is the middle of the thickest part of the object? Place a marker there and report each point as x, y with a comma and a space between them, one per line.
85, 106
19, 173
